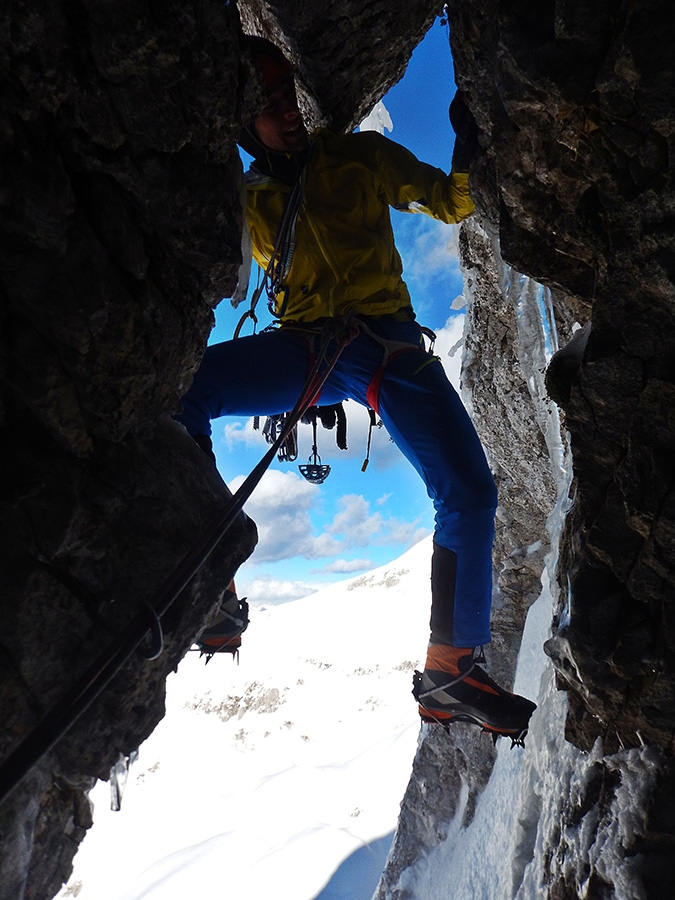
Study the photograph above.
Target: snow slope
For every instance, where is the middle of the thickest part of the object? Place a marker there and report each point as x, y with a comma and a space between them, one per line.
280, 777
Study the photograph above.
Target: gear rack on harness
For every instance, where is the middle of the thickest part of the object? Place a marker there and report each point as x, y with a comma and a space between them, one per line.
330, 416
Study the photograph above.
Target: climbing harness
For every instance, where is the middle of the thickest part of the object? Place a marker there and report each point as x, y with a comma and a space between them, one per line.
99, 674
314, 471
391, 349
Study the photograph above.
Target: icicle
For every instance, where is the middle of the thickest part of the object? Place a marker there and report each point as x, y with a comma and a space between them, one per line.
119, 775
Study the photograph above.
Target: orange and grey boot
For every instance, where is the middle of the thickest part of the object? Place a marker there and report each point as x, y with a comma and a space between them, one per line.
224, 636
454, 688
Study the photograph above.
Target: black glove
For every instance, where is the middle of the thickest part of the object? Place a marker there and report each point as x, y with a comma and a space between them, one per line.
466, 133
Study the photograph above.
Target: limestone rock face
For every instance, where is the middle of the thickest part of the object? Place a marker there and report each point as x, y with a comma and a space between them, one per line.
503, 383
346, 54
120, 223
576, 109
121, 228
578, 116
87, 543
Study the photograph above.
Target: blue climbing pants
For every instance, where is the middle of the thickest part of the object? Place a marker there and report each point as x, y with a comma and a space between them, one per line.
264, 374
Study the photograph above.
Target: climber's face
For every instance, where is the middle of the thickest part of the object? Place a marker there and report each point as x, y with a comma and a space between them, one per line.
279, 126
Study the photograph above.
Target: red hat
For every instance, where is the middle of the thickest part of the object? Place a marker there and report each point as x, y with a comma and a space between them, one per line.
273, 64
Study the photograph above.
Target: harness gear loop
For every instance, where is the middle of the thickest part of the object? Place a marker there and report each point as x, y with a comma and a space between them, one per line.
372, 424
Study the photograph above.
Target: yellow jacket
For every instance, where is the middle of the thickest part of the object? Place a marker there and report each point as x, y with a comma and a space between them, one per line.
344, 257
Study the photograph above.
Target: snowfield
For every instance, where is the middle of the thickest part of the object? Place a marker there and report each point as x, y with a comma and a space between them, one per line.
282, 777
264, 778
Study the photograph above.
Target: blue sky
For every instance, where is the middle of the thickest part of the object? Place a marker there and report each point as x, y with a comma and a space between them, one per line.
310, 535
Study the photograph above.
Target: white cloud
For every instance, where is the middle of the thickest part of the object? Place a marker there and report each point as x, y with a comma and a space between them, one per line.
406, 533
323, 546
267, 590
433, 251
347, 566
238, 432
357, 527
354, 521
280, 508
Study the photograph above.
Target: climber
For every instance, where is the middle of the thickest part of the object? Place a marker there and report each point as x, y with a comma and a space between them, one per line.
318, 215
224, 636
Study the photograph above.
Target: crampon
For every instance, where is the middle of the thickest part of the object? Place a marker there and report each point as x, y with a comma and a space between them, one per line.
473, 697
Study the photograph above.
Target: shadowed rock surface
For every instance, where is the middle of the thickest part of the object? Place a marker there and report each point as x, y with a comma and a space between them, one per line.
120, 231
121, 226
577, 111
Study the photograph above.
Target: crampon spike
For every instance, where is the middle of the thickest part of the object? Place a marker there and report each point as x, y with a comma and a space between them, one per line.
517, 740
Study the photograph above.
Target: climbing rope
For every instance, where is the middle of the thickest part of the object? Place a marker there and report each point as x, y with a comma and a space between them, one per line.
279, 263
99, 674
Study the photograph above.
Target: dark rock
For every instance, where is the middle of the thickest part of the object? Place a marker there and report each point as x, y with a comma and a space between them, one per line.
120, 222
577, 113
121, 228
347, 54
88, 543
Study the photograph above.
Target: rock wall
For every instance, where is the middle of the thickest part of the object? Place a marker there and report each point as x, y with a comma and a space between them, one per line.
347, 54
503, 365
577, 108
120, 225
576, 105
121, 222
